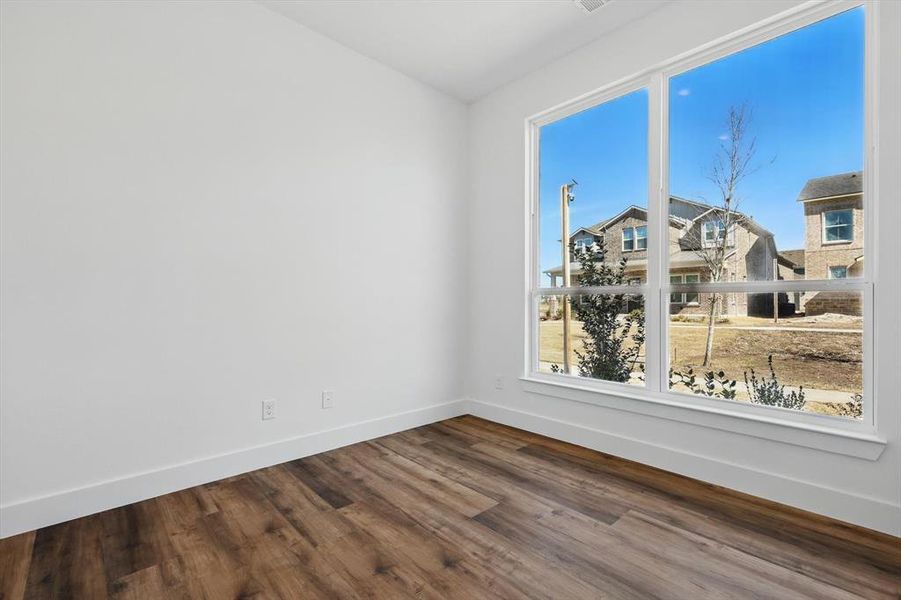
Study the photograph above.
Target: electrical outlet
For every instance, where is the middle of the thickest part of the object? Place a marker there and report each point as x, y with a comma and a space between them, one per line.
499, 382
327, 399
268, 409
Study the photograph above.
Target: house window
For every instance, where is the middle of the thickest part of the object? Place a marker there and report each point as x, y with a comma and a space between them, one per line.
641, 238
628, 239
635, 238
582, 244
676, 148
714, 233
676, 298
689, 298
838, 226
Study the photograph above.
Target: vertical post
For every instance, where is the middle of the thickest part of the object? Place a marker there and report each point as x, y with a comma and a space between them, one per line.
775, 294
565, 199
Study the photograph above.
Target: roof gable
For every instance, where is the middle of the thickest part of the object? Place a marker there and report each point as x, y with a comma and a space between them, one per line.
843, 184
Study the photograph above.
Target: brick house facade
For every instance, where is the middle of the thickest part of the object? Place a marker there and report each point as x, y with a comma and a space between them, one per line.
751, 250
834, 244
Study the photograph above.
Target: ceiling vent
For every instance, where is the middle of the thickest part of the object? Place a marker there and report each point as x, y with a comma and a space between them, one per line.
590, 5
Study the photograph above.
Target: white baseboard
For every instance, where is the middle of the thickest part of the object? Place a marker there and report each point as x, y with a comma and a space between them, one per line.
859, 510
56, 508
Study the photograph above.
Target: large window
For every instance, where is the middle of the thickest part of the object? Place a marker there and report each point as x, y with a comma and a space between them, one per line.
594, 178
726, 194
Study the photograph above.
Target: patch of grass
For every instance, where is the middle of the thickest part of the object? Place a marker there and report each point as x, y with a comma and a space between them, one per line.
816, 360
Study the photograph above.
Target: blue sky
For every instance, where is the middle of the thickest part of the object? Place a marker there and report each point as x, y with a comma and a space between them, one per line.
806, 93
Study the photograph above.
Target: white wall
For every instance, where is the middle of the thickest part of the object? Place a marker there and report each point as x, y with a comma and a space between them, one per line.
854, 489
205, 205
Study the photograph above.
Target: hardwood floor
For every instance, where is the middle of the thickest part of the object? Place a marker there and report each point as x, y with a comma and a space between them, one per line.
460, 509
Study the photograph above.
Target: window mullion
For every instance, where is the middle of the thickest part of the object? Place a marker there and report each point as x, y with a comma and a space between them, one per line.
657, 239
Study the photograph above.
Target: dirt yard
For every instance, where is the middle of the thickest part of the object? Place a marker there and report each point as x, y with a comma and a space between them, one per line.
827, 363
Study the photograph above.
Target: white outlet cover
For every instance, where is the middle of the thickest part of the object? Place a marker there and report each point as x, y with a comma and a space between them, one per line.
499, 382
327, 399
268, 409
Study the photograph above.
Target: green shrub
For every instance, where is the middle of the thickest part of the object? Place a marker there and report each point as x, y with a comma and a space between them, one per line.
716, 385
610, 348
770, 393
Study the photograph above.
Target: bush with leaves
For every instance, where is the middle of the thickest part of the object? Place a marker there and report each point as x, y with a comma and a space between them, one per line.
613, 340
716, 385
770, 393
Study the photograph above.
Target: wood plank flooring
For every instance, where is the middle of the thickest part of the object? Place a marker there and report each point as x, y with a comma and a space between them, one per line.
464, 508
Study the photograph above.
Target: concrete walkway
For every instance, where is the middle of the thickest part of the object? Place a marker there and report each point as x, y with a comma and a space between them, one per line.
810, 394
754, 328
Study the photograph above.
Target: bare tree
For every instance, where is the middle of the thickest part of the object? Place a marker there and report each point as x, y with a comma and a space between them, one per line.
712, 237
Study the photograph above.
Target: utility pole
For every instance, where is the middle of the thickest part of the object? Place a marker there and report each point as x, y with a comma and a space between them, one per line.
566, 197
776, 295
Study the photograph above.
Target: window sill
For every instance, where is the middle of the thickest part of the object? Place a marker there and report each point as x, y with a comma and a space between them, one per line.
865, 445
838, 243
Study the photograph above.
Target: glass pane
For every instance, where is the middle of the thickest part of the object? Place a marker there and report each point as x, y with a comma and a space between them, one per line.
810, 358
605, 332
675, 298
605, 150
838, 217
749, 156
692, 297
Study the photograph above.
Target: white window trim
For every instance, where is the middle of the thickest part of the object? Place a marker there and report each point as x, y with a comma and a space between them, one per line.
685, 301
682, 276
728, 239
638, 237
770, 423
705, 243
582, 243
633, 240
823, 227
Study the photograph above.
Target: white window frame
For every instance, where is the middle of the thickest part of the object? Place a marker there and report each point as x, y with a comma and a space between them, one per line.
635, 238
583, 242
685, 300
632, 239
728, 238
683, 296
823, 226
848, 436
639, 237
705, 226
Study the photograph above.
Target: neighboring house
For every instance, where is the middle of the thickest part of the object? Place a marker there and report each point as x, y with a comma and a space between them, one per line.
694, 228
791, 267
833, 217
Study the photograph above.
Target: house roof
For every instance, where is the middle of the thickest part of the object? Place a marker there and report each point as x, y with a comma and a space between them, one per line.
590, 230
843, 184
795, 257
599, 227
